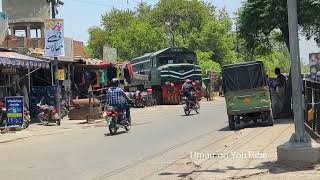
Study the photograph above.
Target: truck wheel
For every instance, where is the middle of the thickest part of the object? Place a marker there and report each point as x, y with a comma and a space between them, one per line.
270, 118
232, 124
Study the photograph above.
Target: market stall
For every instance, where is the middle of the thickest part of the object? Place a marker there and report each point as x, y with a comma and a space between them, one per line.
90, 81
15, 74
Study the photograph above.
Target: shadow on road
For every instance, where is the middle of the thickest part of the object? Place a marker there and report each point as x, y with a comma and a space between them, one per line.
265, 167
183, 115
118, 133
50, 124
257, 125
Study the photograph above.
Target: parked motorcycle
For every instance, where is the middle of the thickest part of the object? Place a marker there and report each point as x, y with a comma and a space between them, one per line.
64, 108
140, 100
26, 119
3, 114
189, 105
116, 119
48, 114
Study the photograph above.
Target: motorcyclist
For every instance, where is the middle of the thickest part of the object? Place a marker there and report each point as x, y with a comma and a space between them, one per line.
116, 97
187, 88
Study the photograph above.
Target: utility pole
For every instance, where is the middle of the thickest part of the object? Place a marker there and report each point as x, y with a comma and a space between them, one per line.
300, 147
54, 5
300, 134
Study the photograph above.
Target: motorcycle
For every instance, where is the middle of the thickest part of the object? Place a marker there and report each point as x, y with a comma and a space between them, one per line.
48, 114
116, 119
3, 114
189, 105
140, 100
64, 109
26, 119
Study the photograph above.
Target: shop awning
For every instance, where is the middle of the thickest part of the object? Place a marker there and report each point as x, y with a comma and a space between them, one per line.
10, 58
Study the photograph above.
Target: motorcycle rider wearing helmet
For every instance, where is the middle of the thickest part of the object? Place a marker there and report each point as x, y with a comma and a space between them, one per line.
116, 97
187, 88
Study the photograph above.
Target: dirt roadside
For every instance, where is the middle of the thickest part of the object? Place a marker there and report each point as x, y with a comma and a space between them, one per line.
250, 154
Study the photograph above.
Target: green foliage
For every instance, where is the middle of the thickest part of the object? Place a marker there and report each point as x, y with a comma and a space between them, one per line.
206, 64
277, 55
88, 52
305, 68
276, 59
259, 19
195, 25
96, 42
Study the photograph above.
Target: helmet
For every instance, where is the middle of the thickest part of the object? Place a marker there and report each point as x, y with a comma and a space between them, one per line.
114, 82
188, 81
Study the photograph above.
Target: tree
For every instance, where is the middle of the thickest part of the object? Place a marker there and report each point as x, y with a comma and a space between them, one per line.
97, 39
305, 68
205, 62
181, 17
193, 24
259, 18
143, 10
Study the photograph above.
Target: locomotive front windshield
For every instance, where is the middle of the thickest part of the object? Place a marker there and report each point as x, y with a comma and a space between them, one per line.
180, 58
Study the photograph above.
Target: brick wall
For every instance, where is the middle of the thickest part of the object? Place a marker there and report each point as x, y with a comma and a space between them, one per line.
78, 49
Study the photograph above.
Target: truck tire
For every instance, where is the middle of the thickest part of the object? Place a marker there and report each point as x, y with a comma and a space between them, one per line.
232, 123
270, 119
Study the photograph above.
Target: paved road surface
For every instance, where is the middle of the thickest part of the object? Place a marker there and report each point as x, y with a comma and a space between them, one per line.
159, 137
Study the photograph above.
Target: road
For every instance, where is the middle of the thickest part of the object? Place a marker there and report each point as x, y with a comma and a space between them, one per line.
159, 137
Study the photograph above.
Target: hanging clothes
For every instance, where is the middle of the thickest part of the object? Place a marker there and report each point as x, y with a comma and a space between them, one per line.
122, 72
127, 75
112, 72
96, 83
103, 76
77, 78
82, 79
118, 72
130, 69
90, 77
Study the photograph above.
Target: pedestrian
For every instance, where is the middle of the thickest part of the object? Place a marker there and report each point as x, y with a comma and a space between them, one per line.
281, 82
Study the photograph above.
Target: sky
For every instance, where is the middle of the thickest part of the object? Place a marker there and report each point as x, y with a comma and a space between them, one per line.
79, 15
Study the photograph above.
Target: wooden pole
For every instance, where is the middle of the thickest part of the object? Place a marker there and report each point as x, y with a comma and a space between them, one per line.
90, 104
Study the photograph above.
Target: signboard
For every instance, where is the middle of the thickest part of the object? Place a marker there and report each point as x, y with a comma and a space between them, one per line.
68, 50
314, 60
14, 106
61, 75
109, 54
54, 38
